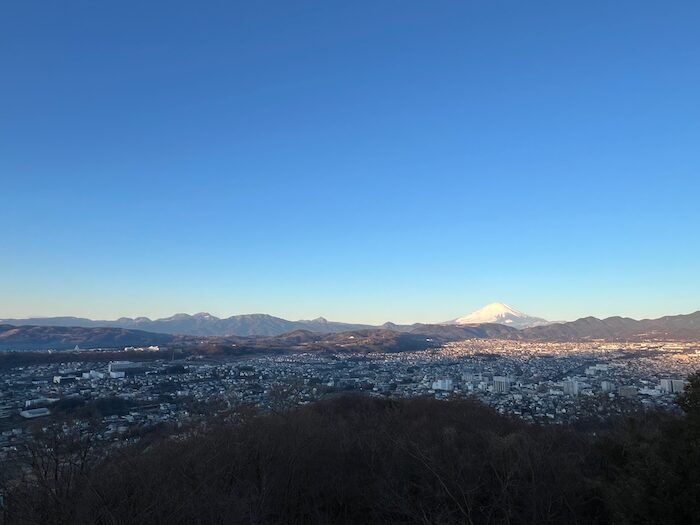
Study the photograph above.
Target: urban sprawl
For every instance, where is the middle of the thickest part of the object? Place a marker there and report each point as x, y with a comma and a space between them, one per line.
538, 382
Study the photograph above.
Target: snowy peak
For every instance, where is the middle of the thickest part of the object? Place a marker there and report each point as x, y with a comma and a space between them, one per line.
490, 312
501, 314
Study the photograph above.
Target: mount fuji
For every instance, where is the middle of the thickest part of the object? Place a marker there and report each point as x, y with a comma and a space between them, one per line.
500, 313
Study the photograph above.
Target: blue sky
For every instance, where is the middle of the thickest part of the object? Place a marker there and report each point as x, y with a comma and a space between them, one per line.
364, 161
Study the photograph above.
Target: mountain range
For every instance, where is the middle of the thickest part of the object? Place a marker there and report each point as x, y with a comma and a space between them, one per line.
332, 336
201, 324
671, 327
205, 325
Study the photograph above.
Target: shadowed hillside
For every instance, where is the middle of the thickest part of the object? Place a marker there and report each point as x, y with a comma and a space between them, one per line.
355, 459
62, 338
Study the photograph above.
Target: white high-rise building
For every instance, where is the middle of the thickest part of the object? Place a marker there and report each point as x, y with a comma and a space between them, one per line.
501, 384
607, 386
672, 386
678, 385
571, 387
666, 385
442, 384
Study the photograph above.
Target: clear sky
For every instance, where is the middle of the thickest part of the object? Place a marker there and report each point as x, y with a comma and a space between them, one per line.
363, 160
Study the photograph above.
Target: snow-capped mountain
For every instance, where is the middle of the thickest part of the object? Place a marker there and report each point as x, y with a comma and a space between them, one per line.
501, 314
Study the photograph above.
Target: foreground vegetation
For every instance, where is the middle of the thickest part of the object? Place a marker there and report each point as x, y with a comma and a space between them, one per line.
355, 459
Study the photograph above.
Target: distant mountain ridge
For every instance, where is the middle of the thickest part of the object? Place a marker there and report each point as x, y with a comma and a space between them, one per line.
204, 324
674, 327
65, 332
200, 324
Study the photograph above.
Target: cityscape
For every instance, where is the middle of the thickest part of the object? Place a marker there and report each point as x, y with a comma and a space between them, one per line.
537, 382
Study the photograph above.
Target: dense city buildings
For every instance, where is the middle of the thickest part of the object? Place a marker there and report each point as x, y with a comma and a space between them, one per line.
537, 382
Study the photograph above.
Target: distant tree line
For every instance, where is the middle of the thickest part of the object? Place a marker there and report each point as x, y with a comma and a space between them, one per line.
354, 459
